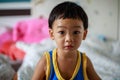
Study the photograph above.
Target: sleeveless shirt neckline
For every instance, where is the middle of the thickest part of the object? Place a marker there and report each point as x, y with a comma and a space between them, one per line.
57, 69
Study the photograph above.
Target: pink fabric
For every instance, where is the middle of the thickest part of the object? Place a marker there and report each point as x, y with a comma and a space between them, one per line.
31, 31
6, 36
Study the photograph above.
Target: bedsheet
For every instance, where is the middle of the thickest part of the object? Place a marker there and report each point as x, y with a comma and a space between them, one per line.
6, 71
107, 67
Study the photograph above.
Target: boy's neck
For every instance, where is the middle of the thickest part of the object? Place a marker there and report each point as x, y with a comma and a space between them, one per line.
66, 55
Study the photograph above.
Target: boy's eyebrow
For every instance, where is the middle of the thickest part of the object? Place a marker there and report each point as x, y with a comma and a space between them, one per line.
77, 26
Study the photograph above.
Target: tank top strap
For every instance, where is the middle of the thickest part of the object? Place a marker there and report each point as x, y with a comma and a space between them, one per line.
47, 55
50, 73
84, 65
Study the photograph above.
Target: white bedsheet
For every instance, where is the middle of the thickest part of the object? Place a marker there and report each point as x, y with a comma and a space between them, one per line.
106, 66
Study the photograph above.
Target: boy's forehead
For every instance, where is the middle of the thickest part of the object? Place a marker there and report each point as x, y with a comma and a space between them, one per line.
62, 23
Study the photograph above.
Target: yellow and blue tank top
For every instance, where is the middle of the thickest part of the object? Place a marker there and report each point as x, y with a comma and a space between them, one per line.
52, 72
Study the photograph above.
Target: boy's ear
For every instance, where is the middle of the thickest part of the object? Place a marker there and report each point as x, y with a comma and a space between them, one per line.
51, 34
85, 34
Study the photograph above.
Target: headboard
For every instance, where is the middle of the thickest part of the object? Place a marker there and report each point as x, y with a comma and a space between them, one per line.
14, 7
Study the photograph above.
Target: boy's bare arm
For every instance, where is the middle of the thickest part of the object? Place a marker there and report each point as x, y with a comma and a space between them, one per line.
39, 73
92, 75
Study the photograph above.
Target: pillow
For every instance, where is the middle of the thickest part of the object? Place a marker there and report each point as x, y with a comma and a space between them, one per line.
31, 31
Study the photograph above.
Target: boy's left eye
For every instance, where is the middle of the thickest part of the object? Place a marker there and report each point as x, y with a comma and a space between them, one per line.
76, 32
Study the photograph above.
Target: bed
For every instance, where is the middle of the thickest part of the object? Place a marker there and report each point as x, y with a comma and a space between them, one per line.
104, 54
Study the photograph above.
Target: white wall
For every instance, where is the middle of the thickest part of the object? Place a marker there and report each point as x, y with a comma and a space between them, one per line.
43, 7
15, 5
10, 21
103, 17
119, 19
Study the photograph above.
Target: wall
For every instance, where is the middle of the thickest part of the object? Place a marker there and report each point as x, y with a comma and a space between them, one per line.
43, 7
103, 17
10, 21
15, 5
103, 14
119, 19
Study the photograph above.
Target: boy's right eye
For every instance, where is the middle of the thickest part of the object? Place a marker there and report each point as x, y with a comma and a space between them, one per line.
61, 32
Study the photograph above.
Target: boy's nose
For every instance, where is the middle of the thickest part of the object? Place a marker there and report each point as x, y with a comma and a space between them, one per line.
69, 38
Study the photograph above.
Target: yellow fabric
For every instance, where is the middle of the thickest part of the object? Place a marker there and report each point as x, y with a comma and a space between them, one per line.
84, 66
57, 70
48, 65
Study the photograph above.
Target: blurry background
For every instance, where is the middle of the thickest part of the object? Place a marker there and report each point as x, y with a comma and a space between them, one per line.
103, 14
23, 34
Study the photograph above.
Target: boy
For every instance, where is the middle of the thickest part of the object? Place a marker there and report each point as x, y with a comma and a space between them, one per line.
68, 24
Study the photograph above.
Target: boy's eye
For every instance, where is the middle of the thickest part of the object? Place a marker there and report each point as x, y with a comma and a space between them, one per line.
76, 32
61, 32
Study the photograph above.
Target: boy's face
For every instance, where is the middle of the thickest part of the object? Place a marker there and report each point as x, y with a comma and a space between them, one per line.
68, 34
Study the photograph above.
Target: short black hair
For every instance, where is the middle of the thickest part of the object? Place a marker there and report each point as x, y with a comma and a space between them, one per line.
68, 10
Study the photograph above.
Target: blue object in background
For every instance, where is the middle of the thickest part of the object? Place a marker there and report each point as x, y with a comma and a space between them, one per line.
102, 37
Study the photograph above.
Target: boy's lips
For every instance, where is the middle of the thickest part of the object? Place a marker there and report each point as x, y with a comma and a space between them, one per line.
68, 46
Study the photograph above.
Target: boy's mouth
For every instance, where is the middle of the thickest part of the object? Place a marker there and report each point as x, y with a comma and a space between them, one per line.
69, 47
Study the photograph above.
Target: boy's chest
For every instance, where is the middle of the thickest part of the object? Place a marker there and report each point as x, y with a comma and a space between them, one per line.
67, 68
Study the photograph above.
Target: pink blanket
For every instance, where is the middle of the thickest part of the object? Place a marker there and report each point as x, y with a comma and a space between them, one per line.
31, 31
6, 36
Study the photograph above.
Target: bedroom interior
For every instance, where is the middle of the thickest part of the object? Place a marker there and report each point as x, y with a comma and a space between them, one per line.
22, 19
